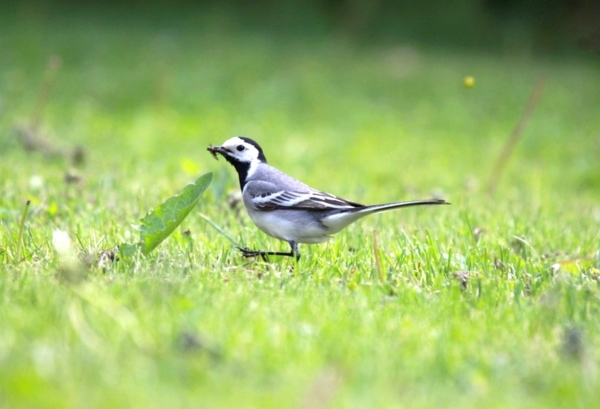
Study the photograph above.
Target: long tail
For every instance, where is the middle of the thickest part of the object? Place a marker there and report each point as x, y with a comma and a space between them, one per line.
338, 221
391, 206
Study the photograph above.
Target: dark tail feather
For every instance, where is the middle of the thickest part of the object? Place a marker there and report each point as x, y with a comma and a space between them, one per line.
391, 206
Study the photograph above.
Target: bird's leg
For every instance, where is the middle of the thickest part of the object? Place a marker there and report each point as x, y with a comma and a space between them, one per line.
263, 254
295, 250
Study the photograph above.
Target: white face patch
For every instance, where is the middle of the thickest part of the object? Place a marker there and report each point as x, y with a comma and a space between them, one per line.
242, 151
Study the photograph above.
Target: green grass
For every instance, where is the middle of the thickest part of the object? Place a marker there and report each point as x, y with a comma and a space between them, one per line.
193, 324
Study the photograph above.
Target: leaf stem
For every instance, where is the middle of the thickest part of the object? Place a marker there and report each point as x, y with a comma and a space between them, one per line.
219, 229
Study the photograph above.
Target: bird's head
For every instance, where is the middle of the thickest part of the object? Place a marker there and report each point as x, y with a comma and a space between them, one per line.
239, 150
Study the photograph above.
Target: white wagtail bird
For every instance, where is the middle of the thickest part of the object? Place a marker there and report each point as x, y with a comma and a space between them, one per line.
288, 209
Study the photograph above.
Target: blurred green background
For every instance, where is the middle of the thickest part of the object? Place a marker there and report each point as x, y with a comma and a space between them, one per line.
138, 76
106, 109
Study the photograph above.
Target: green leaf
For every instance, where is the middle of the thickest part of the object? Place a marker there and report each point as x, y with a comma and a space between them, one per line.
163, 220
128, 250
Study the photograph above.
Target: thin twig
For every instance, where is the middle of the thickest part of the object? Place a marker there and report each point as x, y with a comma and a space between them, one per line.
52, 67
22, 228
511, 142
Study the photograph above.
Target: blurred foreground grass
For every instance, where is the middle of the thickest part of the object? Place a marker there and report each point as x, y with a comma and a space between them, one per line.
491, 302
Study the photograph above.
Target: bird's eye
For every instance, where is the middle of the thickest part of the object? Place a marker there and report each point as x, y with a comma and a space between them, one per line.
240, 148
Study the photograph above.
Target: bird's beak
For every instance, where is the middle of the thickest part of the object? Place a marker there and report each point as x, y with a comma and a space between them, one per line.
214, 150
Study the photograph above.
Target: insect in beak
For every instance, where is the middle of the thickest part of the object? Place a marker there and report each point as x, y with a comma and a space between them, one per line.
213, 151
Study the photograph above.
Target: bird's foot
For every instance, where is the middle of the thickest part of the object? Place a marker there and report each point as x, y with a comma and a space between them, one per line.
246, 252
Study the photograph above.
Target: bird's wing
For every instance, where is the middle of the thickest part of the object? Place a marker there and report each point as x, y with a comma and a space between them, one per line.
290, 200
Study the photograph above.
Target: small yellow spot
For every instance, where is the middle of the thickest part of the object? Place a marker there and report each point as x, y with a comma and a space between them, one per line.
52, 209
189, 166
469, 81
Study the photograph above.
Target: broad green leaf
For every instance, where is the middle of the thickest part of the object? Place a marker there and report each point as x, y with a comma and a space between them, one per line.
164, 219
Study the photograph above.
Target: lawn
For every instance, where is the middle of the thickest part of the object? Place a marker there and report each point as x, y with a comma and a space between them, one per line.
490, 302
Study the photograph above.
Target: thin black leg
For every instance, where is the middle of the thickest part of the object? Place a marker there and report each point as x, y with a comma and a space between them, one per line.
263, 254
295, 250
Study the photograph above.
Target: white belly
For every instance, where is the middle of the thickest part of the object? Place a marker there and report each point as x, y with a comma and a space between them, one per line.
286, 225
